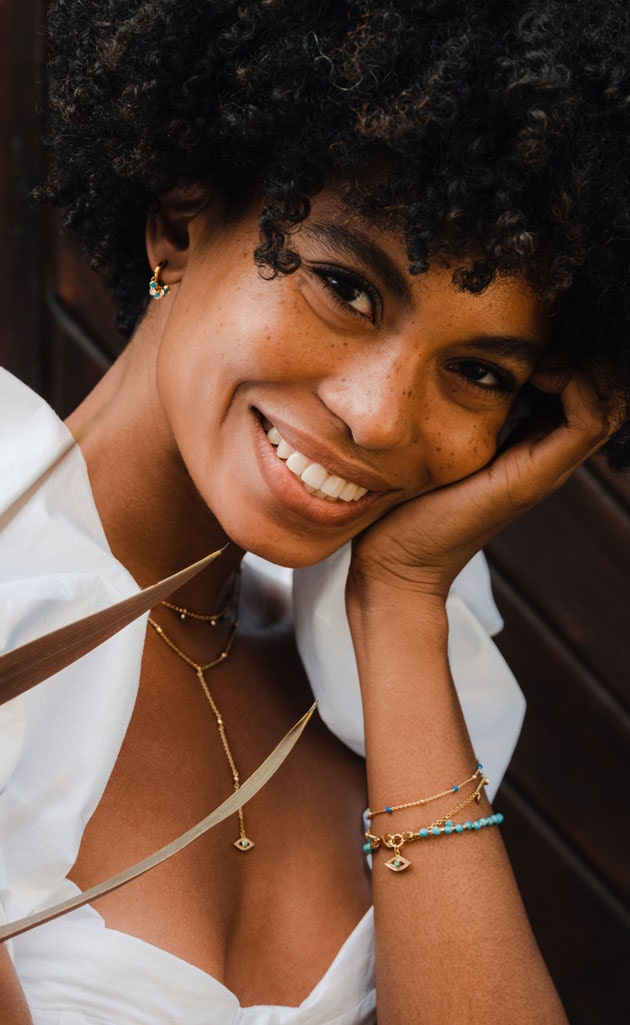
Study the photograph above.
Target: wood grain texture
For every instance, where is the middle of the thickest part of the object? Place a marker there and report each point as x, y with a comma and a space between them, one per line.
76, 363
77, 289
570, 559
574, 740
584, 935
21, 224
617, 485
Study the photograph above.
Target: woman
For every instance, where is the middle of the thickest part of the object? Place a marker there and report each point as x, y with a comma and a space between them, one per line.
375, 231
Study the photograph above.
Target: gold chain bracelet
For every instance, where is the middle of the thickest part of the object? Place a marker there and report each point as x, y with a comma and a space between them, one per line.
441, 826
388, 809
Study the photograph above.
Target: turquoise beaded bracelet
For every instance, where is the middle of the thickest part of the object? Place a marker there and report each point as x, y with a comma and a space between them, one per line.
394, 841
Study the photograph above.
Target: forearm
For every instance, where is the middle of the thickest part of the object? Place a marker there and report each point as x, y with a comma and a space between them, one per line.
452, 938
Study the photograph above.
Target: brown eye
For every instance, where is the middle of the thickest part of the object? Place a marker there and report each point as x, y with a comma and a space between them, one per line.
357, 298
485, 376
350, 291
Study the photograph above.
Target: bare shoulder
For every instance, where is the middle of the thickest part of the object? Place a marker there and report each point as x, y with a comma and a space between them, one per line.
12, 997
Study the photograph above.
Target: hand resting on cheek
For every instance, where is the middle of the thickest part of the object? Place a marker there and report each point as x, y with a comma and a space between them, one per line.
423, 544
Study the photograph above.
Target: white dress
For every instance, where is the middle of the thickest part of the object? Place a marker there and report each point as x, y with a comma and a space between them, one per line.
59, 743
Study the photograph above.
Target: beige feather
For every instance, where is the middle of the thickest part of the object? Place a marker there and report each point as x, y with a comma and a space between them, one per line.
34, 662
28, 665
246, 791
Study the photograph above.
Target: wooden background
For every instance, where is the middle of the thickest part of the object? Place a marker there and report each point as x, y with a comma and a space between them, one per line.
561, 581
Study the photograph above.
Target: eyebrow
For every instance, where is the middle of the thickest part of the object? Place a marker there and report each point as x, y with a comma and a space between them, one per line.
518, 347
357, 246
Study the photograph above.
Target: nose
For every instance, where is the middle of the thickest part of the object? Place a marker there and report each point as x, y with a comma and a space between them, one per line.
378, 400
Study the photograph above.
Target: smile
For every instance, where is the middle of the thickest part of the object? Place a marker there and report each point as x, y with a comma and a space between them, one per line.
315, 478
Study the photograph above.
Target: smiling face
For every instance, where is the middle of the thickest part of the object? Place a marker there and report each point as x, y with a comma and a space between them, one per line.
306, 407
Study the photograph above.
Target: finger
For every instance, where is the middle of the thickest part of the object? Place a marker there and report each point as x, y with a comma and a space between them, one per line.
589, 420
460, 518
537, 465
552, 381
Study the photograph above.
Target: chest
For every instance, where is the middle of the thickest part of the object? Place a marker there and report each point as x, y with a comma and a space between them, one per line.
268, 921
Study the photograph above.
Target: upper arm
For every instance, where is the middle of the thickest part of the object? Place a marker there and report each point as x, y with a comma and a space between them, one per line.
12, 999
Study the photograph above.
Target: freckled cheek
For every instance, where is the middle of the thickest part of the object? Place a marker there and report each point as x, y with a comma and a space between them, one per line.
459, 451
204, 355
264, 336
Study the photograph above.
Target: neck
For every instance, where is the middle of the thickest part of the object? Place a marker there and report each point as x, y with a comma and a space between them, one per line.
153, 517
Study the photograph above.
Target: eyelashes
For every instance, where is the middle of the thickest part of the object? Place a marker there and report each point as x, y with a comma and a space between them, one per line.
346, 288
355, 295
474, 371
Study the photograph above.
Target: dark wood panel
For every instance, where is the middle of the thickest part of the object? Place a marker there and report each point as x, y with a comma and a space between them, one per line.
82, 291
583, 933
74, 370
616, 484
20, 170
571, 558
574, 740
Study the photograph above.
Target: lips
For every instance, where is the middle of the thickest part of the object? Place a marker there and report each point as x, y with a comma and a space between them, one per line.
315, 478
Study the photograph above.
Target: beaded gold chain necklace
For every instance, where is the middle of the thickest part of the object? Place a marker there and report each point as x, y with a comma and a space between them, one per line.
243, 843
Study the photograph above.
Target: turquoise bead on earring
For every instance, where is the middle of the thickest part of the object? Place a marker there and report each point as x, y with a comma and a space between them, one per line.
157, 289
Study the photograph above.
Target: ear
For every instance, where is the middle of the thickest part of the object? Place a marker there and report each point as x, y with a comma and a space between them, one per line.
168, 230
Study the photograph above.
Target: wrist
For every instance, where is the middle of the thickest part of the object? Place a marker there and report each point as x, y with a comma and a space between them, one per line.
371, 603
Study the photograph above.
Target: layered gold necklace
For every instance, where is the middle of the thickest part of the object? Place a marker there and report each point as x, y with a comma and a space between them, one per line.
243, 843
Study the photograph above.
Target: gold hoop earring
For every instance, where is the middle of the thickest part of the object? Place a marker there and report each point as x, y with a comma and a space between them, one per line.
157, 289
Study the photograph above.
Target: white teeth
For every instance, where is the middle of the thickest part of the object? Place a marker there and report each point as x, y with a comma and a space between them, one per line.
284, 450
315, 477
349, 492
333, 486
297, 463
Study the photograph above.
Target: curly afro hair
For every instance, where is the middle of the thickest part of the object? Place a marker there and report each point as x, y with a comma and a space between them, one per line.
503, 126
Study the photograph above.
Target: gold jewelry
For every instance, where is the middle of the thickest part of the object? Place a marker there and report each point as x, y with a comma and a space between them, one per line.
388, 809
212, 619
243, 843
157, 289
443, 825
